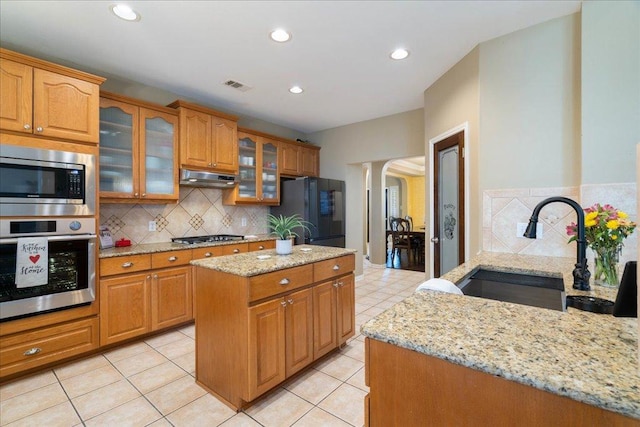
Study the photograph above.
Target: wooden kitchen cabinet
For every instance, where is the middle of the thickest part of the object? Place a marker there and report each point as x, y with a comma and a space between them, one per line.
171, 297
345, 307
208, 138
125, 310
299, 159
255, 332
138, 151
259, 173
44, 99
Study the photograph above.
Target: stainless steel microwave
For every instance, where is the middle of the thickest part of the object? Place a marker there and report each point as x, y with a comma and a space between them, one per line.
41, 182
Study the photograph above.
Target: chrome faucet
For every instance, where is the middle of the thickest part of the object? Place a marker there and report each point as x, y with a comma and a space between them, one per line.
581, 272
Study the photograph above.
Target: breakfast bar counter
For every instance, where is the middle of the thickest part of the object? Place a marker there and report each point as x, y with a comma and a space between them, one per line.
586, 357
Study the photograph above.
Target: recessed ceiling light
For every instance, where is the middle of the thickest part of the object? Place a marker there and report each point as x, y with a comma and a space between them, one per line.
296, 89
399, 54
125, 12
280, 35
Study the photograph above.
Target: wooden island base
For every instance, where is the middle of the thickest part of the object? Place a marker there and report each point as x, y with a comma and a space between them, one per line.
408, 388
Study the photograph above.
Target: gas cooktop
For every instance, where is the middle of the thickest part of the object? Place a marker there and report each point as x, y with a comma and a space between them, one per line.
206, 239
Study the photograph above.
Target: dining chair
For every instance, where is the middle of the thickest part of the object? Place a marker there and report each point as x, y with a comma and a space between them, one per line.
417, 242
400, 239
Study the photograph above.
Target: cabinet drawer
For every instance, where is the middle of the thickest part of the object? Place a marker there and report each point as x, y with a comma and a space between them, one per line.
259, 246
208, 252
270, 284
333, 267
236, 248
124, 264
31, 349
171, 258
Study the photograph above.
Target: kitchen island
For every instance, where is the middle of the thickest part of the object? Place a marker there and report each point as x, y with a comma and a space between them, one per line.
261, 318
444, 359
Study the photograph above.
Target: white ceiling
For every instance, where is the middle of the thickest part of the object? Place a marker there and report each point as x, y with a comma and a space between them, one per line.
411, 166
339, 52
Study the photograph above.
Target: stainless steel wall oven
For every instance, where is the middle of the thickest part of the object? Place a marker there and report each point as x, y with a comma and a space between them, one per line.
70, 265
40, 182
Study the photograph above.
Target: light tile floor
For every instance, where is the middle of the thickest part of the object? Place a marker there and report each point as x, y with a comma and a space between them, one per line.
151, 382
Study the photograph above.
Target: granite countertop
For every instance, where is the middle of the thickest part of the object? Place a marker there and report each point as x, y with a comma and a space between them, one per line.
591, 358
149, 248
266, 261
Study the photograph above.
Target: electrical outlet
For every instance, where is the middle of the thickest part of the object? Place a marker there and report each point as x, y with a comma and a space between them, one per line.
521, 227
152, 226
244, 222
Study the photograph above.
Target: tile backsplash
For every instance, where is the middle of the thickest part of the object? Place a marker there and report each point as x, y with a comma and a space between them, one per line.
503, 209
199, 212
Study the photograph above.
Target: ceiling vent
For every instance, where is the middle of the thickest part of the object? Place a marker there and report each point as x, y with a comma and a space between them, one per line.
237, 85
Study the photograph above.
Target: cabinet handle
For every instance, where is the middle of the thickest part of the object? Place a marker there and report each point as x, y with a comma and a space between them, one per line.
283, 303
207, 254
290, 301
335, 285
127, 265
27, 126
260, 247
215, 165
341, 284
210, 164
284, 281
155, 276
235, 251
336, 267
136, 194
39, 129
144, 194
149, 276
32, 351
172, 258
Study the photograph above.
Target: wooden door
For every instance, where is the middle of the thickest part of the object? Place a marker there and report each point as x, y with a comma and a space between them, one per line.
346, 308
448, 204
309, 162
324, 319
224, 145
171, 297
124, 307
158, 155
119, 152
65, 107
195, 139
298, 331
266, 346
16, 98
289, 159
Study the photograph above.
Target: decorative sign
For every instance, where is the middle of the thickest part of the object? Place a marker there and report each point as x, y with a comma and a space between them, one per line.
106, 241
32, 262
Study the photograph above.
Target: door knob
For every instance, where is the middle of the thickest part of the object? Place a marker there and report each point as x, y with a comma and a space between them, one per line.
435, 239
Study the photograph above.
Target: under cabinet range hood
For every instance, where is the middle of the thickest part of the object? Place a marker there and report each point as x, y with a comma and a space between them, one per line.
196, 178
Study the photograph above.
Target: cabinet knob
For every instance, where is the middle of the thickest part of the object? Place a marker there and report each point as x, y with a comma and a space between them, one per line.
144, 194
173, 258
149, 277
235, 251
341, 284
155, 276
127, 265
284, 281
335, 285
32, 351
336, 267
39, 129
210, 164
136, 194
207, 254
27, 126
215, 165
290, 300
283, 303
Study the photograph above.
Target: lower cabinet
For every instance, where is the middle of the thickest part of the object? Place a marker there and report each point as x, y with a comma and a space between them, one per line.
124, 307
171, 297
260, 330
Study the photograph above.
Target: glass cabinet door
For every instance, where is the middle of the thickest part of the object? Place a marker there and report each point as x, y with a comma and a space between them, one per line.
117, 151
269, 171
247, 149
159, 142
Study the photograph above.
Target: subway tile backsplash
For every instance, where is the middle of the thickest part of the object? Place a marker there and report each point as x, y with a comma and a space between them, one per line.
503, 209
199, 212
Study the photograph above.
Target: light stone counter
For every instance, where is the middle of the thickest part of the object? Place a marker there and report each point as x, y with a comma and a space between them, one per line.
149, 248
588, 357
266, 261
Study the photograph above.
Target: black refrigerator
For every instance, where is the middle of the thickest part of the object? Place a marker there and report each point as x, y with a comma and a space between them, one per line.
319, 201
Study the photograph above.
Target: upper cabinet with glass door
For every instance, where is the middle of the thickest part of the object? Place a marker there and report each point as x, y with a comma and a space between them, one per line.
259, 174
138, 147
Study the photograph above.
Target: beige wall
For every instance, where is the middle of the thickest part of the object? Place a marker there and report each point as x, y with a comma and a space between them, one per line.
530, 107
610, 90
451, 101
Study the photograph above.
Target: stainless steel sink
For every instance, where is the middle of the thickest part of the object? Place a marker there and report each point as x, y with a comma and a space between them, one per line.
519, 288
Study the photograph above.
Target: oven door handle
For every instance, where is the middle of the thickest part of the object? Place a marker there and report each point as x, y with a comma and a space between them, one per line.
64, 238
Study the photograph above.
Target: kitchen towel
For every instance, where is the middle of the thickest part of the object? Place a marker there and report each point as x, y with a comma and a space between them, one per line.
32, 261
441, 285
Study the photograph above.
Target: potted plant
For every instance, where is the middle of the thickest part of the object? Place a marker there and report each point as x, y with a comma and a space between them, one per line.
284, 228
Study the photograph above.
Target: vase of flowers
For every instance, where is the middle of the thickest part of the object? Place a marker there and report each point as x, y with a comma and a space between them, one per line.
605, 229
